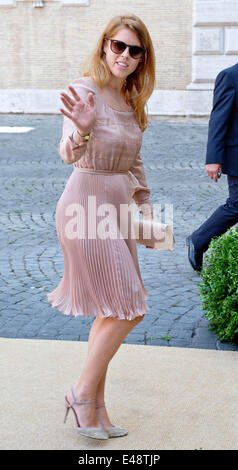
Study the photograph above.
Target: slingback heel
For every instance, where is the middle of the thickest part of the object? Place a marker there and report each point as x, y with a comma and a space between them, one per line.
93, 432
113, 431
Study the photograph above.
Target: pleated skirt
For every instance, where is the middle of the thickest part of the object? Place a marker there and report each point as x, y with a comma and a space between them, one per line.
101, 269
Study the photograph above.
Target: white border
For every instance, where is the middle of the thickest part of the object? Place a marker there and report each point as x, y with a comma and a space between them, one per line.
69, 3
72, 3
8, 3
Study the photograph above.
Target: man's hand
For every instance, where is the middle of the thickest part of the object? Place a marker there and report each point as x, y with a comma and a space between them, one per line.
212, 170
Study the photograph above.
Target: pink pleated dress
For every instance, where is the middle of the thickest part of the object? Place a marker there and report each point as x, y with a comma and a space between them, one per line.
101, 274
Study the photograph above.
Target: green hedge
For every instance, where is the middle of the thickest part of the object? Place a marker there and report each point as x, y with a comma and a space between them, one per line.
219, 286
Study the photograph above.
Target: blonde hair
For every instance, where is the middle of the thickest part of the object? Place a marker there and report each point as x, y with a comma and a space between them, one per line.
139, 85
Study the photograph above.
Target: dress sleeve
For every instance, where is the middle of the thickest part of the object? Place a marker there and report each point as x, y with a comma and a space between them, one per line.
142, 192
71, 148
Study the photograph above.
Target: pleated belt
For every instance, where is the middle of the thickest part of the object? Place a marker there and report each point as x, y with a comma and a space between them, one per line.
133, 180
104, 172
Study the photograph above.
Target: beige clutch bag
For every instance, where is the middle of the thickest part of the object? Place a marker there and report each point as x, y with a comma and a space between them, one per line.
154, 234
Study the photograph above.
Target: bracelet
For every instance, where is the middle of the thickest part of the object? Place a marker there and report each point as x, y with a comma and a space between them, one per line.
84, 136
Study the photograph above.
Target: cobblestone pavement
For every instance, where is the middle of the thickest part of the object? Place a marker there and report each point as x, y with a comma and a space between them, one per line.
33, 178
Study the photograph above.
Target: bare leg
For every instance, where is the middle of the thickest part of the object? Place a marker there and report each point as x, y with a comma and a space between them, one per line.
110, 333
101, 385
101, 412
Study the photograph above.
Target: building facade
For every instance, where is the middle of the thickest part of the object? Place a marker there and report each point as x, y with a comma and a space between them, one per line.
43, 45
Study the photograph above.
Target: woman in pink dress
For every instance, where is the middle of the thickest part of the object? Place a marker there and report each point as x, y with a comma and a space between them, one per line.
102, 136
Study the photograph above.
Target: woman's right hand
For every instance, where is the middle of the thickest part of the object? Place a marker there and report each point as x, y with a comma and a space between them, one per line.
81, 113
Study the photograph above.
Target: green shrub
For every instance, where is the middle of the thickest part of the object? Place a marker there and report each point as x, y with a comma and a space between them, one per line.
219, 286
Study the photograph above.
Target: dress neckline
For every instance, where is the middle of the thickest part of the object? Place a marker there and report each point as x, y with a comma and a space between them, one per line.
106, 103
117, 110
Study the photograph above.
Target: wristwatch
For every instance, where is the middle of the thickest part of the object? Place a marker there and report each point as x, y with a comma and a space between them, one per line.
85, 136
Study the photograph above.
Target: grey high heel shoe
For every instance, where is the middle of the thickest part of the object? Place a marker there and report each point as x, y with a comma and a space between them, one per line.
93, 432
113, 431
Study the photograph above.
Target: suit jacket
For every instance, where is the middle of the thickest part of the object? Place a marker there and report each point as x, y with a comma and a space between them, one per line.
222, 144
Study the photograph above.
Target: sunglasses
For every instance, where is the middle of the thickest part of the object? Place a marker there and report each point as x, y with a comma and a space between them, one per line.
119, 46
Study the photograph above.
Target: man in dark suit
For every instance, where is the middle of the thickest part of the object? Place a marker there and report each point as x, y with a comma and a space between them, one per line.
221, 157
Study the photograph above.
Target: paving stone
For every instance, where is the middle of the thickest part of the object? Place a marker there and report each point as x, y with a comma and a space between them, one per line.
199, 345
180, 343
203, 335
157, 342
32, 180
226, 346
